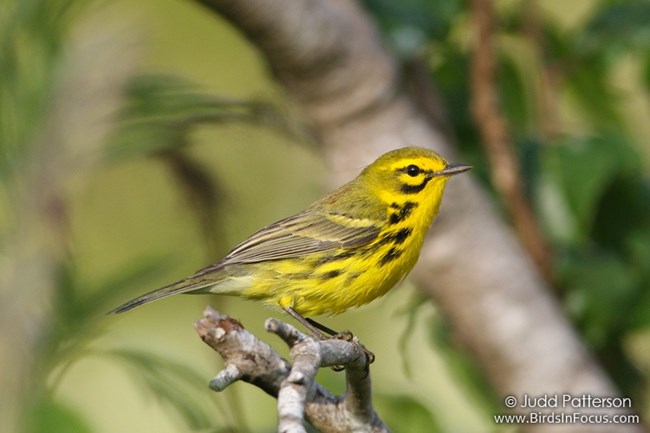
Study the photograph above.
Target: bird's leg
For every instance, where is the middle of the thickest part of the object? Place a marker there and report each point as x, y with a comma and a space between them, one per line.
324, 328
320, 331
316, 328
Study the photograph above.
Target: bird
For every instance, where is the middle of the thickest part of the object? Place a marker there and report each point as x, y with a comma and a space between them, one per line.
344, 250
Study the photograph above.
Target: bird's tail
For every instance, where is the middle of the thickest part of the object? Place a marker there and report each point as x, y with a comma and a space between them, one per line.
195, 282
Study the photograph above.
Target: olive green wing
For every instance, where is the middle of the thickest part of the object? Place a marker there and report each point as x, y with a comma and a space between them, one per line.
308, 232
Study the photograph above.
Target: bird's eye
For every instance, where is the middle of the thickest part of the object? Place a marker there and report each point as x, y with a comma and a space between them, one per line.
412, 170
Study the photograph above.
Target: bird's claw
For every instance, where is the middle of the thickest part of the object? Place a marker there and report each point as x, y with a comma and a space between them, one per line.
348, 336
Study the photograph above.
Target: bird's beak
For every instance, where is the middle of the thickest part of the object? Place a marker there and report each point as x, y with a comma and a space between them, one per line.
453, 169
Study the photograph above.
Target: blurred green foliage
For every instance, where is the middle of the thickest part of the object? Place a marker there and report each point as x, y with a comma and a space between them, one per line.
50, 415
412, 24
588, 184
405, 414
162, 111
32, 37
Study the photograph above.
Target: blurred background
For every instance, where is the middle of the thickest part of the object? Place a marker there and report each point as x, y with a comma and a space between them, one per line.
140, 141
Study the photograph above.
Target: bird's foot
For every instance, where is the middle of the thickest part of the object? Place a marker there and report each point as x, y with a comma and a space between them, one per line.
348, 336
322, 332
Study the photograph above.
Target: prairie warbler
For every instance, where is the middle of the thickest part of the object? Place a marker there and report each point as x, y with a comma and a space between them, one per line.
346, 249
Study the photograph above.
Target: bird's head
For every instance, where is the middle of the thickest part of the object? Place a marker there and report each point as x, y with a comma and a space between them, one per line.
410, 172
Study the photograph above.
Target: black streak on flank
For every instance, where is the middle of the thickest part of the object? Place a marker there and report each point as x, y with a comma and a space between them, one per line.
414, 189
404, 212
391, 255
396, 237
399, 237
331, 274
329, 259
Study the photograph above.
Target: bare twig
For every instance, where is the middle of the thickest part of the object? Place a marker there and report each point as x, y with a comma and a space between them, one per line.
299, 396
496, 137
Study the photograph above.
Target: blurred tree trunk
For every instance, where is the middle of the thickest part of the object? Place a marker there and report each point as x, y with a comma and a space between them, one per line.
330, 58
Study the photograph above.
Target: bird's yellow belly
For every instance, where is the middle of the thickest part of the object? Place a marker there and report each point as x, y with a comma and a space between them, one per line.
331, 284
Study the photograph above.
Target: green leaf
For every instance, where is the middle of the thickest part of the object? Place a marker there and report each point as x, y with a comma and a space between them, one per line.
601, 287
577, 172
645, 72
32, 34
636, 253
48, 416
162, 110
75, 321
558, 43
639, 317
172, 383
617, 27
588, 84
404, 414
451, 75
624, 209
638, 248
411, 24
514, 98
78, 305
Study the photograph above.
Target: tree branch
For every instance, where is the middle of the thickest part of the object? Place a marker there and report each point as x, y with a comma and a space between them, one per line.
299, 396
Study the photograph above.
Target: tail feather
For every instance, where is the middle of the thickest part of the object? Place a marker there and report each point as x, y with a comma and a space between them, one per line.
183, 286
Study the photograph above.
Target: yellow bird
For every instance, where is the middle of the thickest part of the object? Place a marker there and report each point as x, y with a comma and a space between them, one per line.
345, 250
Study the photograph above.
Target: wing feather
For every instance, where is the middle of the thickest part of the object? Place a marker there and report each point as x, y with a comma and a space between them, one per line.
307, 232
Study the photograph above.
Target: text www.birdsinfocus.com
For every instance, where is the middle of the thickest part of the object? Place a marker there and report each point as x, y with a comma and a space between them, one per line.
567, 409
